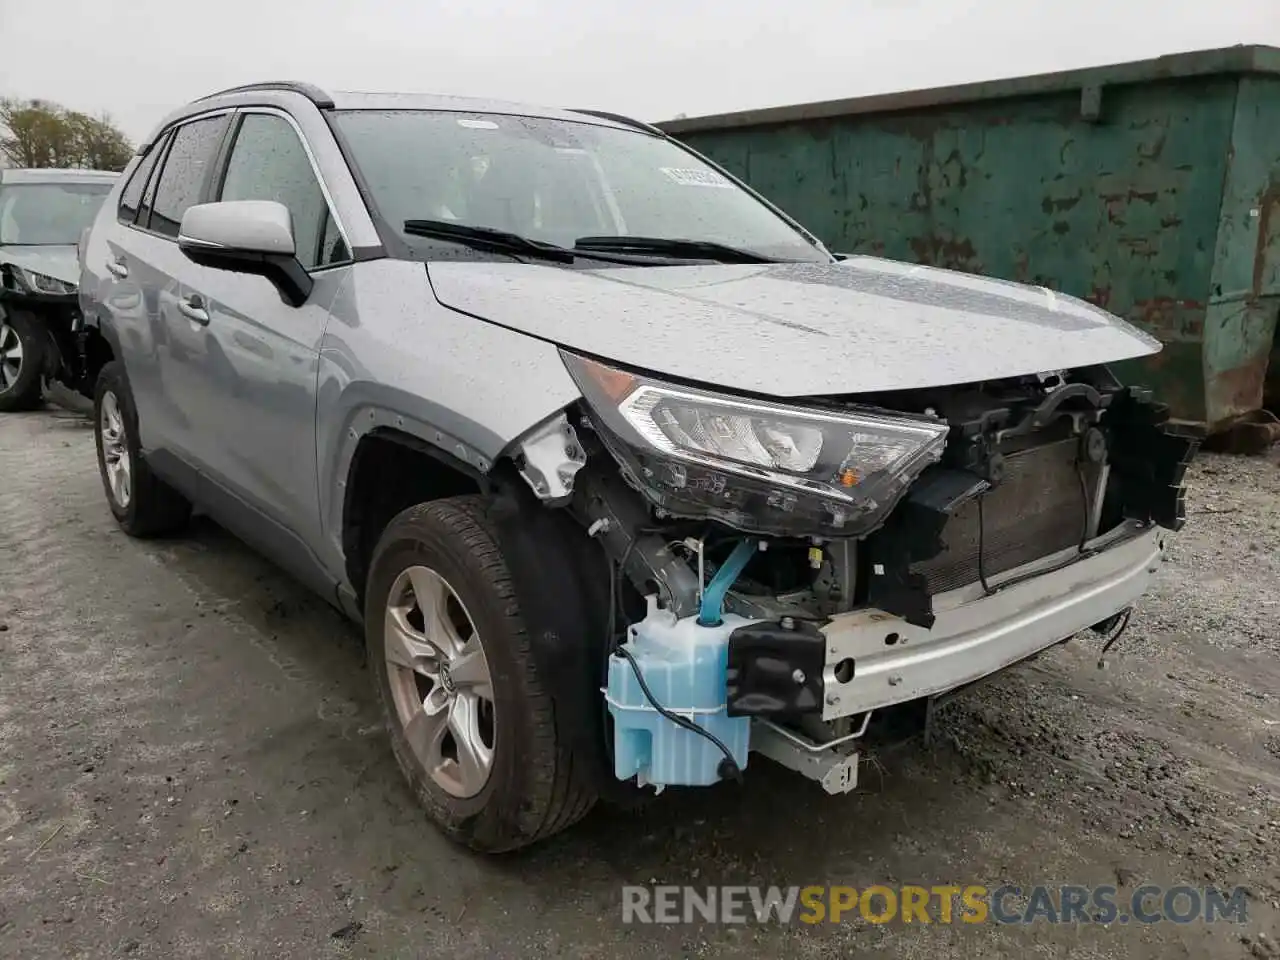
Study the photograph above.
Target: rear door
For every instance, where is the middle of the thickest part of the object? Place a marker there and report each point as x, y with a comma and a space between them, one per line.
147, 280
110, 295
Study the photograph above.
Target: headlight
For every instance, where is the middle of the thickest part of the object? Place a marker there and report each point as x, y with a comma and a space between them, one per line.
757, 465
33, 282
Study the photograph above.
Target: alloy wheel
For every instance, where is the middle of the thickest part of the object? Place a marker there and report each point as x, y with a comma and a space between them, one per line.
440, 681
10, 356
115, 451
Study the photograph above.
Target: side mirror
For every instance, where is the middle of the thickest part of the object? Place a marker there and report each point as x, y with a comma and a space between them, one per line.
247, 236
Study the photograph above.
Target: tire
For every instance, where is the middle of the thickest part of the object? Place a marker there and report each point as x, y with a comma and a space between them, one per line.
534, 787
146, 506
23, 349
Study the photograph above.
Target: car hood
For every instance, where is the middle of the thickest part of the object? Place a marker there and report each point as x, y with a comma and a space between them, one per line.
58, 262
796, 329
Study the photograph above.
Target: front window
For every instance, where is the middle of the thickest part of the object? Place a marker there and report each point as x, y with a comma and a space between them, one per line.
48, 214
553, 181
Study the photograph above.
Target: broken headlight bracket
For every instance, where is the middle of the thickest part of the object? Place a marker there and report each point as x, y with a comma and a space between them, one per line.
1149, 458
549, 457
774, 669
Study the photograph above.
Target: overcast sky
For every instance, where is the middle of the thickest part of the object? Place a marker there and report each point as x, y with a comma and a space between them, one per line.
650, 58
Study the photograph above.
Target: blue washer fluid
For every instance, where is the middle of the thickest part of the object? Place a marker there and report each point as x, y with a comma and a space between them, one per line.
684, 665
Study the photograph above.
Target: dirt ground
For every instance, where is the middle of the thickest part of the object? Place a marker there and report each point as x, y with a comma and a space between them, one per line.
191, 765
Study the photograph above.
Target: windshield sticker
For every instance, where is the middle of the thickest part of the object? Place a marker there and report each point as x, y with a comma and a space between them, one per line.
477, 124
696, 178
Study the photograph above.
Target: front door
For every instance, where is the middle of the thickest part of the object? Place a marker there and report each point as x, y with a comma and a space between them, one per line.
252, 379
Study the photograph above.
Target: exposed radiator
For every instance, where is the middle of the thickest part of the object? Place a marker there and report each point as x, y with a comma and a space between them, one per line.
1038, 509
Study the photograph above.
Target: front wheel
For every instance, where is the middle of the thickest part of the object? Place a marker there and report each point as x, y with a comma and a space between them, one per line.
22, 356
472, 724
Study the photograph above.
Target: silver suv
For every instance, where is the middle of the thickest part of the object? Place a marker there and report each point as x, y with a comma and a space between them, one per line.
626, 476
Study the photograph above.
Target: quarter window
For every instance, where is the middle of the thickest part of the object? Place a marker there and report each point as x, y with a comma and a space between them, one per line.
149, 194
269, 162
182, 180
131, 196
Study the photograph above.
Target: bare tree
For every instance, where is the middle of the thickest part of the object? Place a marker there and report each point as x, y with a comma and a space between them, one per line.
39, 133
100, 144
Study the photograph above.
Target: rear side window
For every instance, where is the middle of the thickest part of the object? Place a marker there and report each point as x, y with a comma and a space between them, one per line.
269, 162
131, 197
149, 194
182, 180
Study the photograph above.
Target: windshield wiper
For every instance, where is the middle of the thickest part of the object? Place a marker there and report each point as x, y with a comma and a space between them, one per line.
672, 247
501, 241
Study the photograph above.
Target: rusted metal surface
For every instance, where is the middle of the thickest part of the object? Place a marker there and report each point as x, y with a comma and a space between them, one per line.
1244, 297
1198, 63
1271, 389
1157, 201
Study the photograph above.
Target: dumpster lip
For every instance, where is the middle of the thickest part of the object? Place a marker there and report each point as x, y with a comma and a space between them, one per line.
1236, 60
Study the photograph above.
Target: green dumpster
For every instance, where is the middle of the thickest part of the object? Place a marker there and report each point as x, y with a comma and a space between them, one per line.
1149, 188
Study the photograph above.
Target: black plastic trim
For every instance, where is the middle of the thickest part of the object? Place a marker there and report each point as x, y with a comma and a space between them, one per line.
288, 275
775, 669
390, 239
562, 588
142, 219
363, 254
154, 151
222, 158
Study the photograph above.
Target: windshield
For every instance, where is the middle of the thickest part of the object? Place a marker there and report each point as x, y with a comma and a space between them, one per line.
48, 214
553, 181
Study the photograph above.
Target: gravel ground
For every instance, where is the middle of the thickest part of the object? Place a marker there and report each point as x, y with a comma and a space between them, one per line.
191, 765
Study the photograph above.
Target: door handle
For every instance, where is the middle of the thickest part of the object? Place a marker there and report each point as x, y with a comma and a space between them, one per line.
117, 269
193, 309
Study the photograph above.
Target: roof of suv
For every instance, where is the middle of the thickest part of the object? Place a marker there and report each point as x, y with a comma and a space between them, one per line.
354, 100
270, 91
57, 175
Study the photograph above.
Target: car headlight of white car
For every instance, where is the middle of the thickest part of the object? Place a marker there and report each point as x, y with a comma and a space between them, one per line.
29, 281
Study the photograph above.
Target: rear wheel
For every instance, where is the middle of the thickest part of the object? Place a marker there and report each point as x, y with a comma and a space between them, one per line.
472, 724
22, 355
142, 503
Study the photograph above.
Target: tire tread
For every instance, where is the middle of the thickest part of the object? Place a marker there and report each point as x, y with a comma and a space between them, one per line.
28, 393
155, 508
557, 794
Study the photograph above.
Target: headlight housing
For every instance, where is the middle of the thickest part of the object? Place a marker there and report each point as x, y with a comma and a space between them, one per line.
28, 281
756, 465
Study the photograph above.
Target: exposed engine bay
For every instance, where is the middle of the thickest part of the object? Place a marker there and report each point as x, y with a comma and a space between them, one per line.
742, 537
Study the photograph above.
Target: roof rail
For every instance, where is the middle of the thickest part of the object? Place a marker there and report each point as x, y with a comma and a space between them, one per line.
308, 90
625, 121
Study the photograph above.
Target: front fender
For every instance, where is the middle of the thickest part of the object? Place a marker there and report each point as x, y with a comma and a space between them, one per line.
393, 357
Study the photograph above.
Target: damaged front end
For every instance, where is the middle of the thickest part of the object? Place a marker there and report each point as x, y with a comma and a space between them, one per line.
789, 569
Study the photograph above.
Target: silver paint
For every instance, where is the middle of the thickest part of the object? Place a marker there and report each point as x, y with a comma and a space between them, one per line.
793, 330
270, 402
258, 226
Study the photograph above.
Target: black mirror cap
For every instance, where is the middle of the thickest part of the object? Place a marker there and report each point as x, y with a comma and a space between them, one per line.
288, 275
